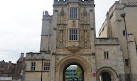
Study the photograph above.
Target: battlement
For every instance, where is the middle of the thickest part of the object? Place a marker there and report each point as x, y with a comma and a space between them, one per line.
65, 2
36, 56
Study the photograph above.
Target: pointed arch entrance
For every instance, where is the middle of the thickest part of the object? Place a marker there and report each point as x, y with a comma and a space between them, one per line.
73, 72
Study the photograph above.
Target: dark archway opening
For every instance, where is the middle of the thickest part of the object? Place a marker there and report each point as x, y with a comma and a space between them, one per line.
105, 76
73, 72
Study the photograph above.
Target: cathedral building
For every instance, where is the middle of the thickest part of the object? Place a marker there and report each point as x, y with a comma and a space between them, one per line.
69, 38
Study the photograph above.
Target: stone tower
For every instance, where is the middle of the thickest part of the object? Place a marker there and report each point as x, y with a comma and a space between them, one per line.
73, 37
46, 32
80, 19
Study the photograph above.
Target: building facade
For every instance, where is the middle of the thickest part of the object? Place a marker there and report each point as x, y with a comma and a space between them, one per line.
68, 38
121, 23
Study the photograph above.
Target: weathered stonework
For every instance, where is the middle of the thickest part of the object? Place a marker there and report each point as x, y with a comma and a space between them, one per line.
121, 23
62, 47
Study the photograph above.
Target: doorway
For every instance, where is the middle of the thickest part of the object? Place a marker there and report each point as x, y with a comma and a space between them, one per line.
105, 76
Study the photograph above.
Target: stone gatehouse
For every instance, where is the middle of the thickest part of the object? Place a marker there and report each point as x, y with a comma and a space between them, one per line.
69, 38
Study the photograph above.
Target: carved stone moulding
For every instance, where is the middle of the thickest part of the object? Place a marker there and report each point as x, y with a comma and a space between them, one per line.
73, 49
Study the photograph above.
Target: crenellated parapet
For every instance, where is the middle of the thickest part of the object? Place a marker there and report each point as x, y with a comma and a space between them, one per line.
65, 2
46, 16
37, 56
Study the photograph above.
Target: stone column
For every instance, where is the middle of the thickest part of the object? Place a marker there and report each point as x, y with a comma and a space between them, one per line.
53, 47
93, 36
93, 67
53, 59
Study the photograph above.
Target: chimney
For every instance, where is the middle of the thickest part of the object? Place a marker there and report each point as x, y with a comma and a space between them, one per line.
22, 56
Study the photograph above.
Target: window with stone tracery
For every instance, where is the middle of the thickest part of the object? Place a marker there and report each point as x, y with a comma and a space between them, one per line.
73, 13
73, 34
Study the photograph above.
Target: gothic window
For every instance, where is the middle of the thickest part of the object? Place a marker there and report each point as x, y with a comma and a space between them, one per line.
73, 13
33, 66
73, 34
46, 66
106, 56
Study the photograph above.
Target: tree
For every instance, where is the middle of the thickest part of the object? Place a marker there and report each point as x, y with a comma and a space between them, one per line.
79, 72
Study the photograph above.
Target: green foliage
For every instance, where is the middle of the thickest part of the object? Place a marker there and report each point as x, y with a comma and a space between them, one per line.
79, 72
66, 77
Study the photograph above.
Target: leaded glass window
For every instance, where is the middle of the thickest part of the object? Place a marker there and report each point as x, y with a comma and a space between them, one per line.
73, 13
73, 34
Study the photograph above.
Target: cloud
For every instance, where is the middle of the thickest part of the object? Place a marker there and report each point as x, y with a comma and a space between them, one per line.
20, 24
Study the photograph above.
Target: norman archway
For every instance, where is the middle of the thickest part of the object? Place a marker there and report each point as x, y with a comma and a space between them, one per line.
70, 60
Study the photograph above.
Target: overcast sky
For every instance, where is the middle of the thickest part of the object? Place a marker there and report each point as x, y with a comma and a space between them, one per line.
20, 25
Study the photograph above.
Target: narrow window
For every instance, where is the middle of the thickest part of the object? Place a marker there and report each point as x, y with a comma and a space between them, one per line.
73, 13
124, 33
126, 62
33, 66
73, 34
46, 66
106, 56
